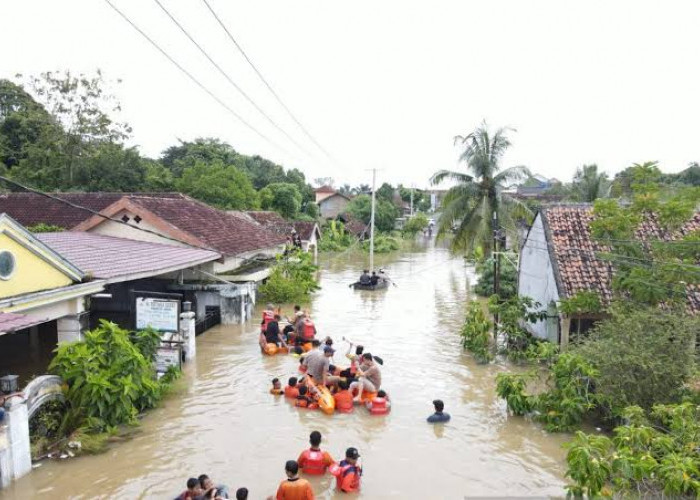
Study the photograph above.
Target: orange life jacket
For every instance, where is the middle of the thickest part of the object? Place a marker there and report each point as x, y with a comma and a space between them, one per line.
345, 469
378, 406
305, 403
344, 403
267, 316
308, 332
313, 462
291, 392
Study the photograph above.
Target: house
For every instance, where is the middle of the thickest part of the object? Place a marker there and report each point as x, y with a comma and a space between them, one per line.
560, 259
169, 218
332, 205
270, 220
537, 187
323, 192
310, 234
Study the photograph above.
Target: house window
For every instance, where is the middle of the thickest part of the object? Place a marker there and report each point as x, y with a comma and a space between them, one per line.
7, 264
125, 218
137, 219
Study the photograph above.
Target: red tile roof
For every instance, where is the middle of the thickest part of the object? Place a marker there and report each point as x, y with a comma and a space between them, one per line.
227, 233
11, 322
574, 253
305, 229
324, 189
107, 257
271, 221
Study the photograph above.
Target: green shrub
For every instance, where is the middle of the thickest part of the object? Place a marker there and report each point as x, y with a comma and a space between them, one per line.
476, 333
292, 279
335, 238
415, 224
109, 381
383, 244
45, 228
508, 278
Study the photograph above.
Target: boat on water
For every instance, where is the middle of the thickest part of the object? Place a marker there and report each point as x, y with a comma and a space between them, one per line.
383, 282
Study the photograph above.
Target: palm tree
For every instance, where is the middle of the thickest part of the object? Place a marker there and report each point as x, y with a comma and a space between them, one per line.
589, 185
470, 204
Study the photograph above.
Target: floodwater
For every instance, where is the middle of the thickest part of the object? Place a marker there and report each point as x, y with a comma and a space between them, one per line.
223, 421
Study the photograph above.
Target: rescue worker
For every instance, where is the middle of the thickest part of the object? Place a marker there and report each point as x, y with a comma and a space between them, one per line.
308, 329
348, 472
365, 278
291, 391
314, 461
267, 316
294, 487
343, 398
379, 405
369, 377
374, 279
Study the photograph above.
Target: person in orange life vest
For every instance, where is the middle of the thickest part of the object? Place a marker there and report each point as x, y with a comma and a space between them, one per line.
379, 405
267, 316
314, 461
276, 387
308, 329
294, 487
305, 400
348, 472
343, 398
291, 391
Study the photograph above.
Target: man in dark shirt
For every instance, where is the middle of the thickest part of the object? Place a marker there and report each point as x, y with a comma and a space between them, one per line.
374, 279
439, 416
364, 278
272, 333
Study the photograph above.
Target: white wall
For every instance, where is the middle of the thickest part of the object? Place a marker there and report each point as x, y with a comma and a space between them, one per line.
111, 228
333, 206
536, 276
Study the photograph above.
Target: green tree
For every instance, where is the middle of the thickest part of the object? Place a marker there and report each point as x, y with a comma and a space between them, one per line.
385, 192
385, 215
218, 184
202, 150
110, 167
415, 224
470, 204
589, 184
281, 197
158, 178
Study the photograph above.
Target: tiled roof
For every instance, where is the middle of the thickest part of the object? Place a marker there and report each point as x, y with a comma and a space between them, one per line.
106, 257
305, 229
271, 221
574, 253
324, 189
228, 233
11, 322
354, 226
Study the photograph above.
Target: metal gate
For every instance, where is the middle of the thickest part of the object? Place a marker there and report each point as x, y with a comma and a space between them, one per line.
212, 317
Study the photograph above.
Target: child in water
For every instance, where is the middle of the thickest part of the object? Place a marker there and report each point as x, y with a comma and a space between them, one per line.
291, 391
380, 404
276, 387
305, 399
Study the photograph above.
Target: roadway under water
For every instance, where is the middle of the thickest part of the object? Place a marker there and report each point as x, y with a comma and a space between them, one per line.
223, 421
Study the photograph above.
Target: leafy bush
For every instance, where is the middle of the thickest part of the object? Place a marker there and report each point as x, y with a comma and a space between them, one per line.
45, 228
649, 456
383, 244
335, 238
511, 387
507, 282
643, 356
476, 333
293, 279
415, 224
109, 380
512, 313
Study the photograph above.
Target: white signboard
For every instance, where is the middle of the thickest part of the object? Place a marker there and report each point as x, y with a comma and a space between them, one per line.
167, 357
161, 314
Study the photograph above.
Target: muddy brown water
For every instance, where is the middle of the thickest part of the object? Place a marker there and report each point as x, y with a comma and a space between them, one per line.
223, 422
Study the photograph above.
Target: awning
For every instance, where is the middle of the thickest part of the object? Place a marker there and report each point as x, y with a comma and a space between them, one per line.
11, 322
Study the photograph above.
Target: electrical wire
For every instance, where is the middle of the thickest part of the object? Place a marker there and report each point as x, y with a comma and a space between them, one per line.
193, 78
262, 78
228, 77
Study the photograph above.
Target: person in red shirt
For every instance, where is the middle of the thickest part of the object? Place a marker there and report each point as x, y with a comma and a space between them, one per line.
294, 487
313, 460
291, 391
343, 398
304, 400
348, 472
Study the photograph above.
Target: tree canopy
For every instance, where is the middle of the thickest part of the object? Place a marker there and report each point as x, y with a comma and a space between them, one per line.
385, 214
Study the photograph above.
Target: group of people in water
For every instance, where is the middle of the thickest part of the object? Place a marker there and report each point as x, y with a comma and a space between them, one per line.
312, 461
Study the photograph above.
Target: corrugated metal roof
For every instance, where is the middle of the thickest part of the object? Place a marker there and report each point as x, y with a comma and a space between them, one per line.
106, 257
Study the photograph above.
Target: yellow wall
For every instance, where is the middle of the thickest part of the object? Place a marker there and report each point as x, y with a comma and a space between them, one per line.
32, 274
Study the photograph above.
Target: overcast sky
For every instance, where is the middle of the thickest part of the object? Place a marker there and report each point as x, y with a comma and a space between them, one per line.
389, 84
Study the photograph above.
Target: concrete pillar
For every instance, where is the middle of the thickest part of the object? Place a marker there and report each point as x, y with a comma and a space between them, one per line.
187, 321
69, 329
17, 421
5, 466
565, 328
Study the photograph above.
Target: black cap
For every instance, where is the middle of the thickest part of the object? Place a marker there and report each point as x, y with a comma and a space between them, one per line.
352, 453
328, 349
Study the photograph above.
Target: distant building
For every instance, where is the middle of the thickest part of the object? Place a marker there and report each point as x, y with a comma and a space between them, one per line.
559, 259
332, 205
536, 187
324, 192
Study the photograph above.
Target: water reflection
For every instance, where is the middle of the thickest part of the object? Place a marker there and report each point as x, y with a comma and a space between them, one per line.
224, 422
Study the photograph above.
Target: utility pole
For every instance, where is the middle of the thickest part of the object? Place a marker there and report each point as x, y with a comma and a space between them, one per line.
371, 228
496, 255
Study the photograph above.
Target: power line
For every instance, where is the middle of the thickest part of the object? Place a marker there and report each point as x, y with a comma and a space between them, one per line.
192, 77
262, 78
228, 78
